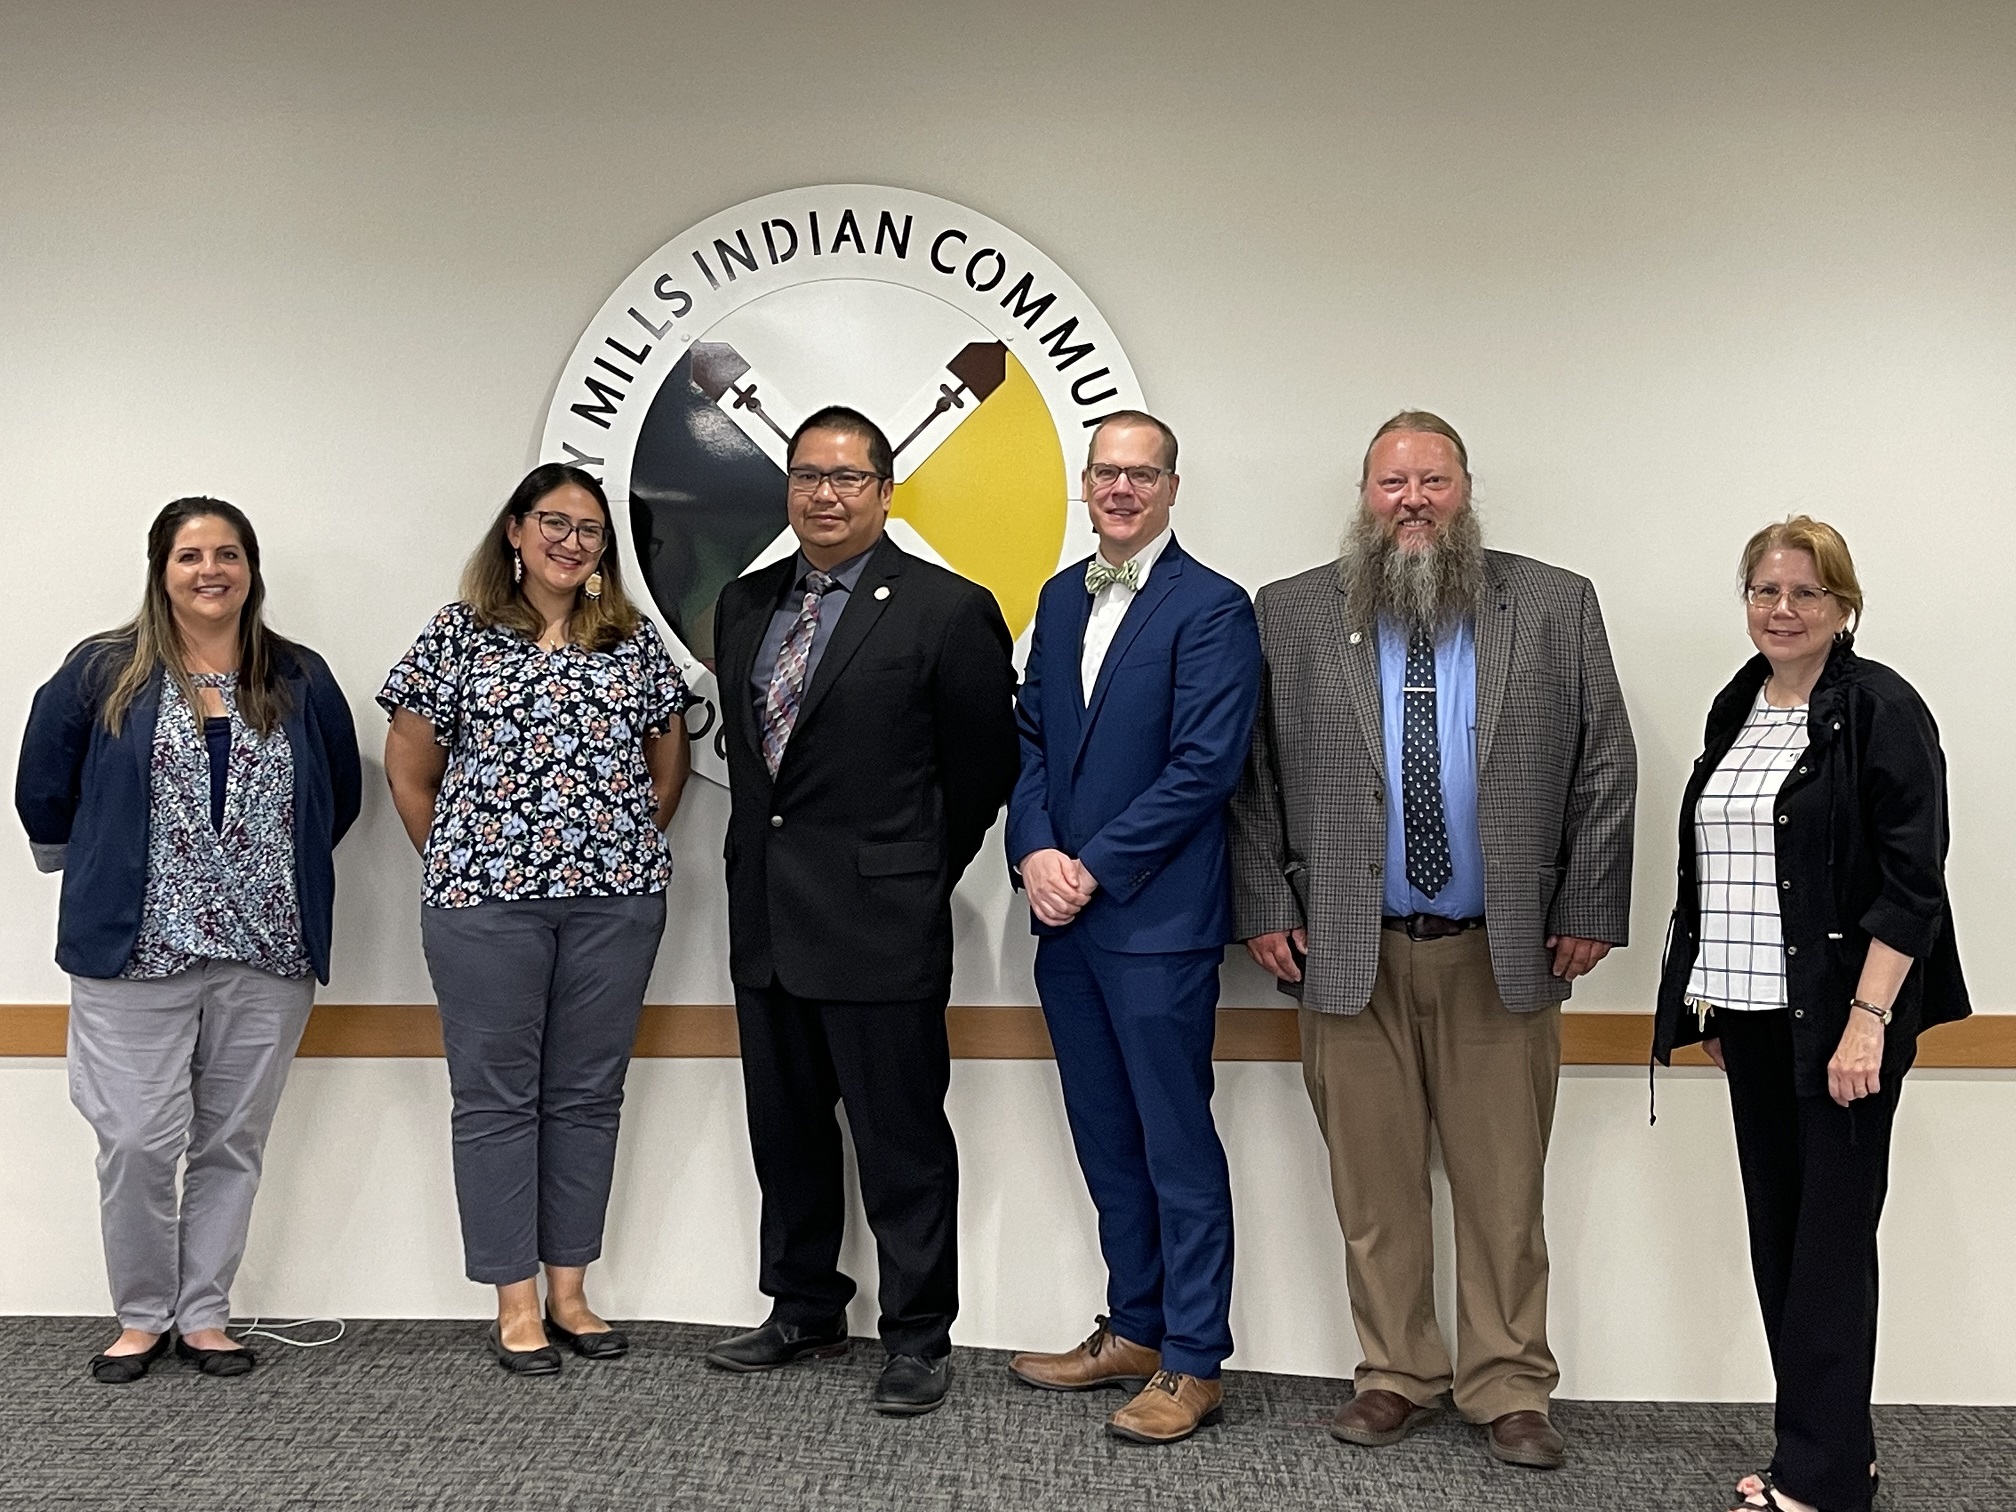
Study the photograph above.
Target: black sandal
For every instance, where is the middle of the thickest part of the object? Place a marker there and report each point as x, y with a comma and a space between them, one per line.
1766, 1490
124, 1369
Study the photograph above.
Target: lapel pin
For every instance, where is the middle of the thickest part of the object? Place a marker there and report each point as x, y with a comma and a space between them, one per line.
882, 592
1356, 637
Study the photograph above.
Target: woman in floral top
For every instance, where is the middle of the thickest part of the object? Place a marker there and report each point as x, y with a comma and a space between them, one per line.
189, 774
536, 754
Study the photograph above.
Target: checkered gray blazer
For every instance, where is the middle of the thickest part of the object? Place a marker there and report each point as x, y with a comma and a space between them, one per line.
1557, 776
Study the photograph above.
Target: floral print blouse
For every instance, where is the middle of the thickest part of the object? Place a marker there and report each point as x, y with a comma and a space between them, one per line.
546, 794
223, 893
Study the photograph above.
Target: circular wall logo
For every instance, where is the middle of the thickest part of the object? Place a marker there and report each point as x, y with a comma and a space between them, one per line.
982, 361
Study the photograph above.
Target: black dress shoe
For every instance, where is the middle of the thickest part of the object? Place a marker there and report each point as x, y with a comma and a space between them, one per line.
544, 1360
778, 1343
603, 1344
911, 1385
216, 1362
124, 1369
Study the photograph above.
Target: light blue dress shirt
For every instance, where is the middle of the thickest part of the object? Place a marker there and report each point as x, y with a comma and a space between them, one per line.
1462, 896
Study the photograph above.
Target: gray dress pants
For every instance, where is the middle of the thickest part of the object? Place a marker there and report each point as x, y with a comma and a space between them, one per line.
181, 1071
539, 1003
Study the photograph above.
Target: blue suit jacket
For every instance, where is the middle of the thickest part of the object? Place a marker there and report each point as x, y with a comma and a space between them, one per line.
1135, 783
85, 797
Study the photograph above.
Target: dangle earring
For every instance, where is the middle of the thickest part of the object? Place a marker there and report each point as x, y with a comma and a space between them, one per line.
593, 587
517, 567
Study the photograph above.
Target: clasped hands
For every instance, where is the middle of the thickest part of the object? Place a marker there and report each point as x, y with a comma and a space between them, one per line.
1058, 886
1573, 956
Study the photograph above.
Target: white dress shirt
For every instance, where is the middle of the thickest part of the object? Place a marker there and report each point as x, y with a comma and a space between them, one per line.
1109, 607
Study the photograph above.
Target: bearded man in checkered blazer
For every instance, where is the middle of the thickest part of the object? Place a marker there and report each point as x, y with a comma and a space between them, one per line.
1431, 842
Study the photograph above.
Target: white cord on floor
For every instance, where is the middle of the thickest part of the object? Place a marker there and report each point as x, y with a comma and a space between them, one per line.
264, 1328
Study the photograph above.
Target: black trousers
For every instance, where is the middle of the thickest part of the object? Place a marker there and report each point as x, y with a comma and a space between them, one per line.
1814, 1178
888, 1064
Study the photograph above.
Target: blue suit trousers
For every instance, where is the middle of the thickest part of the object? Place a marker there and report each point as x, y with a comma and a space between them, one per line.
1133, 1037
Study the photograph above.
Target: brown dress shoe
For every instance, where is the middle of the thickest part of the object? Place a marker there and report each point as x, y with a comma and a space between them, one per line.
1527, 1438
1105, 1359
1170, 1407
1375, 1418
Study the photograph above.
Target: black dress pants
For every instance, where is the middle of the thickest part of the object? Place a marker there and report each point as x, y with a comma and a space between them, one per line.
888, 1064
1814, 1178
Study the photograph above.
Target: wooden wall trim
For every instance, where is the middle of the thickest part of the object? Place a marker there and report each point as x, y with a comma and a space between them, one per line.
686, 1030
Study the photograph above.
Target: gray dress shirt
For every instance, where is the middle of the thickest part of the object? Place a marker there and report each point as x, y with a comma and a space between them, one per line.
785, 615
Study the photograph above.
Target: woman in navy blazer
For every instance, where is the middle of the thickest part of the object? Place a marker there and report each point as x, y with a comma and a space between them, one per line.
189, 774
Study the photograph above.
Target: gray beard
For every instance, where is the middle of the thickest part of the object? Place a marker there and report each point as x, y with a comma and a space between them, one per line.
1426, 590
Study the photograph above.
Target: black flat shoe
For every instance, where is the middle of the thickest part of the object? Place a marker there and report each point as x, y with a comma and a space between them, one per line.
911, 1385
777, 1343
216, 1362
544, 1360
604, 1344
124, 1369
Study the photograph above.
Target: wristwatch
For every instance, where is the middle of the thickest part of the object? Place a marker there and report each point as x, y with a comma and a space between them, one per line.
1883, 1015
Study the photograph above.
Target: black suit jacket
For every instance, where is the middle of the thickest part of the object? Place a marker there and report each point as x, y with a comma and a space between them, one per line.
840, 872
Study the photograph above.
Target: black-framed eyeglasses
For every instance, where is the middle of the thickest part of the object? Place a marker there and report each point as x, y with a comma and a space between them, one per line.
1805, 599
1106, 474
556, 527
847, 482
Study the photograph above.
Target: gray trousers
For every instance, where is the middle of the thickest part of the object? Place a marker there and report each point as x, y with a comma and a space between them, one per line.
539, 1002
183, 1071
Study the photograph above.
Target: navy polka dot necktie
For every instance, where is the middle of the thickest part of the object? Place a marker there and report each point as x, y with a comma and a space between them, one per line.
1428, 865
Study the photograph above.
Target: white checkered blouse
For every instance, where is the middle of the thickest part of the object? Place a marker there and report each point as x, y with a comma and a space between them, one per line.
1741, 960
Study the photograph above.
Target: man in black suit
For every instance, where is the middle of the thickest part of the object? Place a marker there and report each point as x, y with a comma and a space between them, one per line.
869, 699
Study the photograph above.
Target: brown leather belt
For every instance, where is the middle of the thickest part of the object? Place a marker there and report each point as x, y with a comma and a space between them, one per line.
1430, 926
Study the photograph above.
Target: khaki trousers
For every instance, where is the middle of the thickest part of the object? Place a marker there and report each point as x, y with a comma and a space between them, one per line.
1437, 1046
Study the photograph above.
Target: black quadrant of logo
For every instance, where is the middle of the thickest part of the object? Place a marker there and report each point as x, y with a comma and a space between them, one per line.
705, 500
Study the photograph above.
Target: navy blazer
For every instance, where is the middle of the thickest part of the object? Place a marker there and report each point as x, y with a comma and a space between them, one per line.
84, 796
1135, 783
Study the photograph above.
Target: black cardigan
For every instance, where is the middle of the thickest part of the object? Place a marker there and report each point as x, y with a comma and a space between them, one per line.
1862, 834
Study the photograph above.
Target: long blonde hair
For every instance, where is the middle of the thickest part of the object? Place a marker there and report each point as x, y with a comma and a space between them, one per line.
490, 587
149, 644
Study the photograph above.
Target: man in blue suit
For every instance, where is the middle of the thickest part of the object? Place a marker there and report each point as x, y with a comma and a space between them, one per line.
1135, 713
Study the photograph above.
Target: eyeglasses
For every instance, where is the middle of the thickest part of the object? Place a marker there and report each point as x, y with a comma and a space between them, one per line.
556, 527
1106, 474
848, 482
1805, 599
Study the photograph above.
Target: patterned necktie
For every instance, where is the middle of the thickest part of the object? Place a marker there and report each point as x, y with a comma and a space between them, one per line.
1099, 572
787, 679
1428, 865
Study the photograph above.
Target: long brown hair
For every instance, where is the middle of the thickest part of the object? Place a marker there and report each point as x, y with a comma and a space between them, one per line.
490, 587
149, 643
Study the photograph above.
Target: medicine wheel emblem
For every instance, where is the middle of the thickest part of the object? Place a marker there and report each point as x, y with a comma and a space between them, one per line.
982, 361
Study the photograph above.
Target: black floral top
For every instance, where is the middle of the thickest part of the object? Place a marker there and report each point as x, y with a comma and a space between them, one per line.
223, 893
546, 793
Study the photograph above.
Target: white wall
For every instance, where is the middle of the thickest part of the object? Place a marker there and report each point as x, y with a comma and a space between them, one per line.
1651, 1291
1674, 271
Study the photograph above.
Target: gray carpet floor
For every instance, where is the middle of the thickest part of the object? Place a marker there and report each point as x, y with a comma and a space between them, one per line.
403, 1415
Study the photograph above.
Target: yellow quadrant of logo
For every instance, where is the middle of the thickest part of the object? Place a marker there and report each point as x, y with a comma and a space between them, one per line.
992, 499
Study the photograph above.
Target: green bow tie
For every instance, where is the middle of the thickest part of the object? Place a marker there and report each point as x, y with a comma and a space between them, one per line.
1099, 572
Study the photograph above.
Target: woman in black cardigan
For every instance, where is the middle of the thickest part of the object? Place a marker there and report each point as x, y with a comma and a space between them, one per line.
1811, 944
